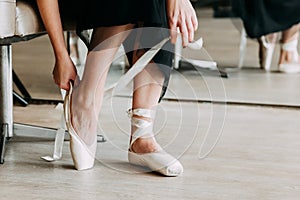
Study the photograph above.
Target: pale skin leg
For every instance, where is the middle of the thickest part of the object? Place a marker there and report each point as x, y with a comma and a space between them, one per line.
88, 94
147, 90
148, 84
287, 36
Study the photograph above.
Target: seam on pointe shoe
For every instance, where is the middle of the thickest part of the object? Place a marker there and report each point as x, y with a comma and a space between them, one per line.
81, 141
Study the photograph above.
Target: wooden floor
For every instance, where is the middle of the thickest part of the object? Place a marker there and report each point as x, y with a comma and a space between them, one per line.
244, 148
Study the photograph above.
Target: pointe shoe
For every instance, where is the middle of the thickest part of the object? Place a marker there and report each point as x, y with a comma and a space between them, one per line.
83, 156
266, 53
158, 161
294, 66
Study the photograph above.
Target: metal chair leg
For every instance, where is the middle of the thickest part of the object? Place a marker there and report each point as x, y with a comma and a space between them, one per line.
26, 98
20, 99
4, 130
6, 97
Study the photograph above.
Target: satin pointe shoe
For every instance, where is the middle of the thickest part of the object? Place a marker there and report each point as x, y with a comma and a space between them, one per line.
158, 161
266, 50
294, 66
83, 156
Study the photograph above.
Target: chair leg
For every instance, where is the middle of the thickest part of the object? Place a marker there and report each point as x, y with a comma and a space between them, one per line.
18, 83
20, 99
6, 96
4, 129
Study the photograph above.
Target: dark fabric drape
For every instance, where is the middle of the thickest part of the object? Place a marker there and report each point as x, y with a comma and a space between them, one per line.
262, 17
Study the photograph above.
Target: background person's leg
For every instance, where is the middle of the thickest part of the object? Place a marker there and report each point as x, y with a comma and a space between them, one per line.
289, 35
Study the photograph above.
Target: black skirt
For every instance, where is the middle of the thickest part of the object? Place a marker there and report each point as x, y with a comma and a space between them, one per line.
98, 13
261, 17
92, 14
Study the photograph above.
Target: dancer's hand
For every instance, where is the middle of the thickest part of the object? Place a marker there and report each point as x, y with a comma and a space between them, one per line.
64, 71
182, 14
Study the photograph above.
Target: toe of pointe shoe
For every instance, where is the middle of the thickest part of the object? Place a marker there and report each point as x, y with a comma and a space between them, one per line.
160, 161
289, 68
174, 169
82, 155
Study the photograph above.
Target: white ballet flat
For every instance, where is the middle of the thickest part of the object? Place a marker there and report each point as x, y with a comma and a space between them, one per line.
267, 50
83, 156
159, 161
294, 66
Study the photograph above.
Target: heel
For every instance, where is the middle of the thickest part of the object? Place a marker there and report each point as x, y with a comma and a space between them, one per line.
83, 156
159, 161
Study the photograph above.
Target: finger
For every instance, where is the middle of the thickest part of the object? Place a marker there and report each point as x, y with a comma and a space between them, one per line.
195, 22
73, 77
190, 29
184, 33
64, 86
173, 21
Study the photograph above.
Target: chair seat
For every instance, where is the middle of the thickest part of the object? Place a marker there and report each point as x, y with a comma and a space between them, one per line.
7, 17
28, 20
20, 20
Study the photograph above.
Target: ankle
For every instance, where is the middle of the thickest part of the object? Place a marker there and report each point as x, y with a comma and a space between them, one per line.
145, 145
82, 100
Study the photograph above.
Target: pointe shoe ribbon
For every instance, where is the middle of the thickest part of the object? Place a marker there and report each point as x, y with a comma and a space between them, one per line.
141, 63
59, 136
58, 144
159, 161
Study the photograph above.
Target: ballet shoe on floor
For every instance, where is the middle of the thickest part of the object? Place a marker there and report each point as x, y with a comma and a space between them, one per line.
83, 156
158, 161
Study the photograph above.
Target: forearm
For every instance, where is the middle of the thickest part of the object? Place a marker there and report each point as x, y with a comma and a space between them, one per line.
49, 11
